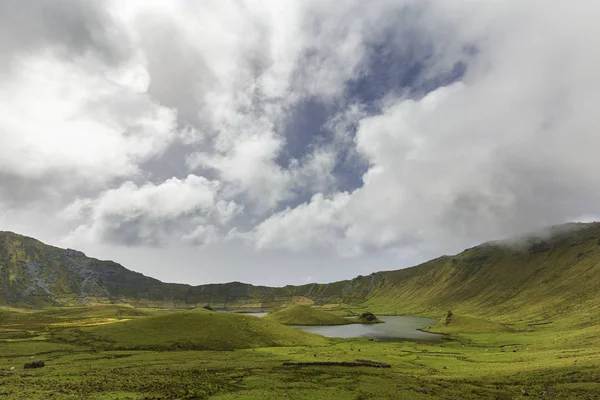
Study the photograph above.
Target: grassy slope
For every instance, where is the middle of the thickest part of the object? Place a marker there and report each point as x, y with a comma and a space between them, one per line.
542, 280
33, 274
460, 324
305, 315
557, 278
199, 330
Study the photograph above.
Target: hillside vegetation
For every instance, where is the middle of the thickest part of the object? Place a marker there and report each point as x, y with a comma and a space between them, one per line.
532, 279
524, 321
194, 330
305, 315
127, 357
460, 324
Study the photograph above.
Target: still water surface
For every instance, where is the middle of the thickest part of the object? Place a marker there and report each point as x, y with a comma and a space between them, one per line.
395, 328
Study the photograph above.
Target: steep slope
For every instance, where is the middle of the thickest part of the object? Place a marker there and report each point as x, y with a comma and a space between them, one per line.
35, 274
555, 276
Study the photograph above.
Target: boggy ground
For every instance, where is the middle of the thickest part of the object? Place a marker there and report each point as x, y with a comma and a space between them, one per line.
483, 361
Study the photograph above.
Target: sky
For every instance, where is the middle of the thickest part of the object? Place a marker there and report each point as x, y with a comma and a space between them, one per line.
286, 142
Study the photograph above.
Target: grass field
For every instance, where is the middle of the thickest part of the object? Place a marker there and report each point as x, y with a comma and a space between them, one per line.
525, 323
100, 353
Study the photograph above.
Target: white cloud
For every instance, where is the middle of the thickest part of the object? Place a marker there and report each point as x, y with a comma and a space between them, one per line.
167, 119
71, 119
509, 149
147, 214
318, 223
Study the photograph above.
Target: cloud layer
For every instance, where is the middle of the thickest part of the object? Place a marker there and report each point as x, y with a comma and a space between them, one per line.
327, 133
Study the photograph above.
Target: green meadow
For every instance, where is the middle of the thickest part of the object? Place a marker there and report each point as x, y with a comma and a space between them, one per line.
524, 322
118, 352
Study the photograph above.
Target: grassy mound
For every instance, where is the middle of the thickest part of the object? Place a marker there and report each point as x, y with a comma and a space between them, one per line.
466, 324
305, 315
368, 318
199, 330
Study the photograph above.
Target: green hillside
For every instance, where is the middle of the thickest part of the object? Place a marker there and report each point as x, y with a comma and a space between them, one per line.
197, 330
524, 321
33, 274
531, 279
305, 315
537, 279
460, 324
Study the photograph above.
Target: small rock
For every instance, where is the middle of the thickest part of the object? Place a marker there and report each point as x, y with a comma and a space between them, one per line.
543, 393
524, 392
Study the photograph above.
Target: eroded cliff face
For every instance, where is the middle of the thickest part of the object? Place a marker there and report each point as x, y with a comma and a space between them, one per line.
35, 274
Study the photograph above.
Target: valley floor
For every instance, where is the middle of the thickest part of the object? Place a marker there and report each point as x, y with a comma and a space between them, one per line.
543, 361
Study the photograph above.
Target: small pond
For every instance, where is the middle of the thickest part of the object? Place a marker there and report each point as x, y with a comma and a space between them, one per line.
395, 328
254, 314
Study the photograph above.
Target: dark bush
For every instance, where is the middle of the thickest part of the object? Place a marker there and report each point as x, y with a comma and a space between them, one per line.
209, 308
34, 364
368, 316
449, 317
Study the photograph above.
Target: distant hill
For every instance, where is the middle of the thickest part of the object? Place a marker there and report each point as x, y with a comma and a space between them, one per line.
35, 274
306, 315
538, 277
